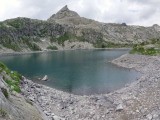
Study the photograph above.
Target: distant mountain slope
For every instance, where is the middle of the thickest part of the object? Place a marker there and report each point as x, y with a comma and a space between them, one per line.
67, 30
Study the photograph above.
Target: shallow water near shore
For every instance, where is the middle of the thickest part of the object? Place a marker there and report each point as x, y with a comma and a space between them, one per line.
82, 72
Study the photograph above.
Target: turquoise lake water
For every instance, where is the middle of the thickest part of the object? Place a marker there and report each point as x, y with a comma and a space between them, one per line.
78, 72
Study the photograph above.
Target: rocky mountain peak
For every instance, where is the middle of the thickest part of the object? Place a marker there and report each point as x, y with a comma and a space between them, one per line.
65, 8
63, 13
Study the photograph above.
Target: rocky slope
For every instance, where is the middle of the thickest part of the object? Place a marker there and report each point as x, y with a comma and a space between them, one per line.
137, 101
67, 30
13, 105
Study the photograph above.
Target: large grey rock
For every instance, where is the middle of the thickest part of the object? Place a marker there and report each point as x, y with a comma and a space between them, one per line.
57, 118
119, 107
149, 117
45, 78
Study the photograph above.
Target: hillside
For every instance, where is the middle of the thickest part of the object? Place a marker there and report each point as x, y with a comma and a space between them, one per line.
13, 105
67, 30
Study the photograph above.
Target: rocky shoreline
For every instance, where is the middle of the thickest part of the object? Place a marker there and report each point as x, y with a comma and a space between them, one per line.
137, 101
31, 52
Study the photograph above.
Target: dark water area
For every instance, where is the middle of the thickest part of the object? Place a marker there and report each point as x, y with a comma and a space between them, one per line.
77, 71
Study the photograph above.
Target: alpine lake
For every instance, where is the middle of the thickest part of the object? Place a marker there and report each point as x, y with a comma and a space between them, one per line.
82, 72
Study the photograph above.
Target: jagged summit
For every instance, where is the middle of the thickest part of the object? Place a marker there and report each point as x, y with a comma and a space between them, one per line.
65, 8
64, 13
67, 16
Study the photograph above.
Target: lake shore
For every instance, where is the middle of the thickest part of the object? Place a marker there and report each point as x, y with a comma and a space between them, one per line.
139, 100
30, 52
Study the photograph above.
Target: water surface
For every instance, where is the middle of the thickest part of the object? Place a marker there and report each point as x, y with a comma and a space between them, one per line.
78, 72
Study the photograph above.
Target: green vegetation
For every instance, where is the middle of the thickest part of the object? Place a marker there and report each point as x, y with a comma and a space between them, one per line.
7, 42
14, 85
16, 23
12, 78
2, 67
3, 113
13, 46
34, 47
144, 51
101, 44
63, 38
30, 42
67, 36
52, 47
150, 47
5, 92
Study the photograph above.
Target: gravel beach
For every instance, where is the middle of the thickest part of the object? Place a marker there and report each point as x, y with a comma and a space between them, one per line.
139, 100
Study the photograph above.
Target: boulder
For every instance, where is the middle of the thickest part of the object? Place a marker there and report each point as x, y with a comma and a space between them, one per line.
45, 78
149, 117
119, 108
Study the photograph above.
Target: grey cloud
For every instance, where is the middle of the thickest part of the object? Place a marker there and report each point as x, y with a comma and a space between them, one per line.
143, 12
46, 7
90, 9
148, 13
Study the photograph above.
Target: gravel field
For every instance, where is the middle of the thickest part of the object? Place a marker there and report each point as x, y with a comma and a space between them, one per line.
139, 100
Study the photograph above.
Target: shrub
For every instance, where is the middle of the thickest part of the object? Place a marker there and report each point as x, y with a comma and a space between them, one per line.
3, 113
66, 36
14, 85
52, 48
3, 66
5, 92
63, 38
107, 44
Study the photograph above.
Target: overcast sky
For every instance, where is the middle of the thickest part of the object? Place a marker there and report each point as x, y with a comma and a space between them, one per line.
133, 12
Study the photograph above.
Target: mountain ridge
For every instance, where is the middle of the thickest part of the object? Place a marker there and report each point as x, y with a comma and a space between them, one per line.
67, 30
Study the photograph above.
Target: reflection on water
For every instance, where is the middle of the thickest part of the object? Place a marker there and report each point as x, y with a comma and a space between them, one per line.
78, 72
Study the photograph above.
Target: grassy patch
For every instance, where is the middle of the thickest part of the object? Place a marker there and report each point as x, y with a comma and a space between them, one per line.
14, 85
144, 51
15, 78
150, 47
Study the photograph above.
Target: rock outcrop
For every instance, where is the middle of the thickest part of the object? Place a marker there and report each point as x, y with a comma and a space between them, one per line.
63, 13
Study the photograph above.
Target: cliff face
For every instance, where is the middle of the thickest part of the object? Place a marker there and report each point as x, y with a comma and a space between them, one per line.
67, 30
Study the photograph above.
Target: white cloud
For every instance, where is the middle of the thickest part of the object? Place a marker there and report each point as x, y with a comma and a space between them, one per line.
141, 12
